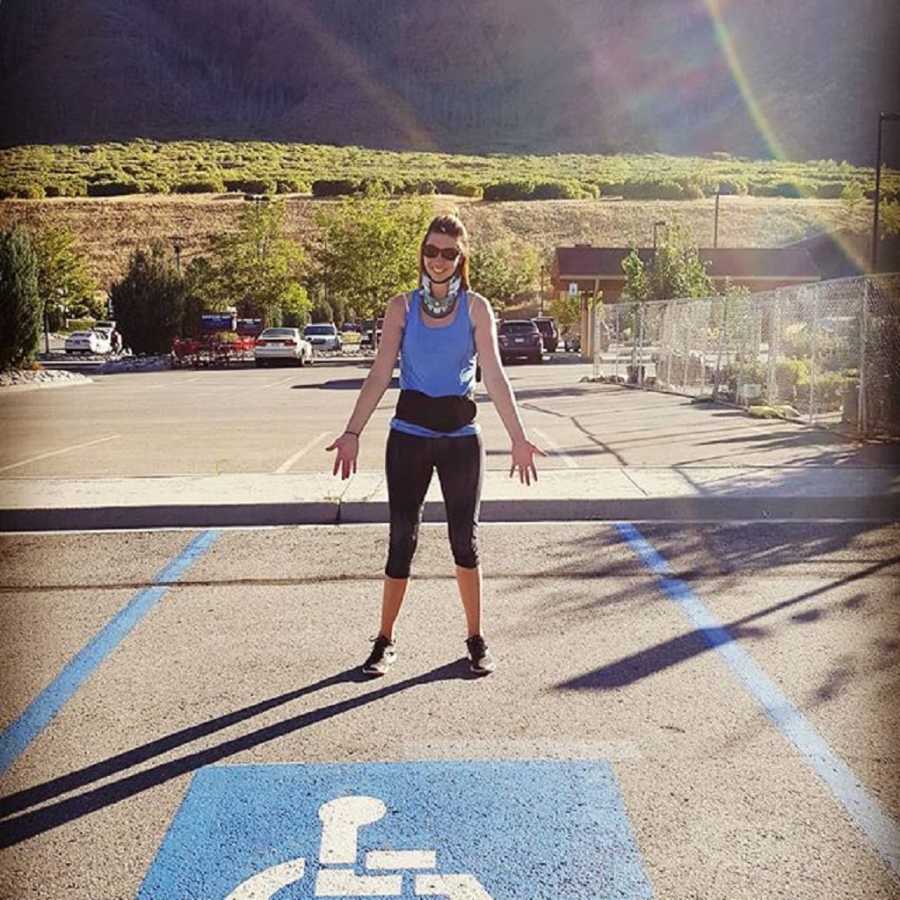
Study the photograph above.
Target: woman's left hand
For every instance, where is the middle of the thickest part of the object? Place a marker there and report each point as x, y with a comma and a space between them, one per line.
523, 459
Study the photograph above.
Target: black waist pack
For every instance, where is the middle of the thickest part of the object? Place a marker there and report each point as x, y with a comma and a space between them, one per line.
437, 413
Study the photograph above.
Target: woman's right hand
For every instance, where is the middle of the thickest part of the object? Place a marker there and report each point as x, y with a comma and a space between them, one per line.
347, 446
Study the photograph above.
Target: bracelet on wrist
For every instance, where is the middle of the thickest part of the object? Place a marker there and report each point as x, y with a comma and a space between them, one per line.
354, 433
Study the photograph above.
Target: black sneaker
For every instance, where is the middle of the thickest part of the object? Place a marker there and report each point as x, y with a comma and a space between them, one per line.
384, 652
480, 660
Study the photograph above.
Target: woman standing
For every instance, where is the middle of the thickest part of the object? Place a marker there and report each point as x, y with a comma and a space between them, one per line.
439, 330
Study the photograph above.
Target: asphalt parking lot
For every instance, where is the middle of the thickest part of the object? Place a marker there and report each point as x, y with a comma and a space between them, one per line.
681, 710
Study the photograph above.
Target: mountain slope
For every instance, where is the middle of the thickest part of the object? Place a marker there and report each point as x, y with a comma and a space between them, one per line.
802, 77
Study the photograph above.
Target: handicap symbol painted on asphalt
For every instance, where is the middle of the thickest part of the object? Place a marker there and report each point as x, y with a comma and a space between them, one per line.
486, 830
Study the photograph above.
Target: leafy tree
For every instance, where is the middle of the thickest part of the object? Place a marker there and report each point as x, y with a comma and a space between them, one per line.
63, 276
295, 307
502, 270
676, 272
368, 250
257, 269
20, 306
566, 309
198, 277
149, 301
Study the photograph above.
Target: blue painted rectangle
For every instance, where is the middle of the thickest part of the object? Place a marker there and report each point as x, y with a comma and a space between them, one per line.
523, 830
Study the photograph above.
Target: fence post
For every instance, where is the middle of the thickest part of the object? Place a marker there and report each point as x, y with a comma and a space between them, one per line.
722, 327
774, 310
640, 363
814, 361
862, 415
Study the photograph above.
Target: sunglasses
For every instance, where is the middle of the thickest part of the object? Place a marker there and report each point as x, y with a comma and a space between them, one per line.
432, 252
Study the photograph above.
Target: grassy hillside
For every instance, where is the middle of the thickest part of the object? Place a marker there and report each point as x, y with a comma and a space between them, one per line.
32, 172
109, 229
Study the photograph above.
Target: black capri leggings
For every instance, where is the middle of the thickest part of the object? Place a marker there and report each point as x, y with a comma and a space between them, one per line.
410, 461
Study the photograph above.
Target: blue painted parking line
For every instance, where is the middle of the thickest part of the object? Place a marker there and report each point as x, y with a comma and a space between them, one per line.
486, 830
877, 825
17, 736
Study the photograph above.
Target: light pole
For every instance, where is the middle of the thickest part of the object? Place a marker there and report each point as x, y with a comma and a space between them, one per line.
716, 225
543, 271
882, 118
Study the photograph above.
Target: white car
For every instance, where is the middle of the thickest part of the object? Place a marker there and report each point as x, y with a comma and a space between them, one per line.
323, 336
88, 342
282, 344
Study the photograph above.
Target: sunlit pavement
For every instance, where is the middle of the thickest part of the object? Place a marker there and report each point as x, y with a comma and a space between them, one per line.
681, 709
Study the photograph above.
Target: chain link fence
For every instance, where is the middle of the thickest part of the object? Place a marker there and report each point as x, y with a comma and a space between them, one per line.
825, 352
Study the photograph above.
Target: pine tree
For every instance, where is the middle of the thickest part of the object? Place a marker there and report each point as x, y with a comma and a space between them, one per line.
20, 306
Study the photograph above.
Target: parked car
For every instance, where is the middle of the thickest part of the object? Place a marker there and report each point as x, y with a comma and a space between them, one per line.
371, 328
282, 345
88, 342
108, 328
550, 333
520, 338
323, 336
572, 342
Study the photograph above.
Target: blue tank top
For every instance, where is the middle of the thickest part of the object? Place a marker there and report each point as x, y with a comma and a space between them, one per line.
437, 361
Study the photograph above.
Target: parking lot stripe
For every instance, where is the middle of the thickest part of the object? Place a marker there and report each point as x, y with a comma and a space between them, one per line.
554, 448
876, 824
305, 449
57, 452
272, 384
17, 736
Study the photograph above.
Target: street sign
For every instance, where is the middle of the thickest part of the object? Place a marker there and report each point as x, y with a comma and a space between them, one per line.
518, 830
573, 288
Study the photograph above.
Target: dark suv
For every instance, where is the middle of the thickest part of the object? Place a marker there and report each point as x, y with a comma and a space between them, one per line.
520, 338
550, 333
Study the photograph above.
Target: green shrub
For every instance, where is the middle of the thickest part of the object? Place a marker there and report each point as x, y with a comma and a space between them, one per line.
788, 374
200, 186
20, 306
652, 190
691, 190
112, 188
29, 192
287, 184
249, 185
335, 187
508, 190
556, 190
830, 190
457, 187
733, 186
790, 189
828, 392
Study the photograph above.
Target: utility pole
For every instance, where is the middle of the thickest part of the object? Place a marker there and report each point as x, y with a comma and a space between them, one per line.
543, 270
177, 245
716, 226
882, 118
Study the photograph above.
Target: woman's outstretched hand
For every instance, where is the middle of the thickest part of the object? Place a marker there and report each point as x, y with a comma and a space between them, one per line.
347, 446
523, 459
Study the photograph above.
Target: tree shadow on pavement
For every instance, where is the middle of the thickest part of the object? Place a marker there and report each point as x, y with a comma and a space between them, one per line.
18, 828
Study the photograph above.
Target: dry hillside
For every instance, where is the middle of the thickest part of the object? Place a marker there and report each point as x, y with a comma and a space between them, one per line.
109, 229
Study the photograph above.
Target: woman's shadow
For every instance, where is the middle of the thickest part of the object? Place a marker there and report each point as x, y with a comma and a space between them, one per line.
17, 828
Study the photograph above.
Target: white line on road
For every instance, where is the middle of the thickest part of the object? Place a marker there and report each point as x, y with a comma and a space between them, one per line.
272, 384
555, 449
57, 452
289, 462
